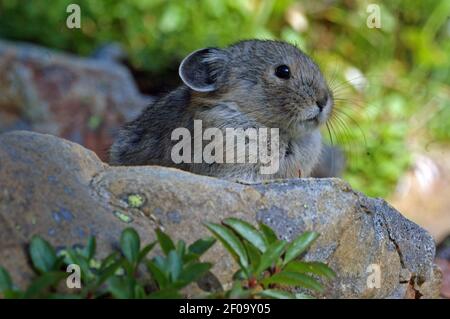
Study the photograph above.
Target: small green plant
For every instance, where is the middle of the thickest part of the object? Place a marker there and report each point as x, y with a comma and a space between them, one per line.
179, 266
267, 266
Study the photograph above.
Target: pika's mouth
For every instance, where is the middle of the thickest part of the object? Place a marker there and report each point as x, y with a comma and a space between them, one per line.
313, 119
321, 111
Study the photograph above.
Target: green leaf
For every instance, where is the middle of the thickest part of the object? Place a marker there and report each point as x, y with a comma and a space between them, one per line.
82, 261
108, 271
248, 232
139, 292
144, 252
253, 254
161, 262
120, 287
317, 268
271, 256
200, 246
293, 279
43, 255
164, 241
276, 294
158, 275
181, 248
269, 234
90, 248
174, 264
197, 249
194, 272
130, 245
5, 280
231, 242
109, 260
299, 245
43, 282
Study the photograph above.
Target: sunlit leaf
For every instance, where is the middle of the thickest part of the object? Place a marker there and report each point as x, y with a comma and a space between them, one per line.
317, 268
254, 256
269, 234
299, 245
248, 232
231, 242
271, 256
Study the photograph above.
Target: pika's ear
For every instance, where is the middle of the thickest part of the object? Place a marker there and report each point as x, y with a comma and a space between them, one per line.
201, 69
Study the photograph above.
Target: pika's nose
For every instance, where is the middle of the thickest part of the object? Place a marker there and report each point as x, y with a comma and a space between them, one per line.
322, 102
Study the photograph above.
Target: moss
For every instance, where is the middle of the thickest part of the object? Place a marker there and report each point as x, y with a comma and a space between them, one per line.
125, 218
135, 200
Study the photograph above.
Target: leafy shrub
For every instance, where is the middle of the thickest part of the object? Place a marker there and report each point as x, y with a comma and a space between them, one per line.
267, 265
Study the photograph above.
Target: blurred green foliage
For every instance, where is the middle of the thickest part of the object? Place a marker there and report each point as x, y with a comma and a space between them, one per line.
390, 83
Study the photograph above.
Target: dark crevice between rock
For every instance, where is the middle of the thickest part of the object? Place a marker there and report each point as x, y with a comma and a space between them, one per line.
397, 248
411, 291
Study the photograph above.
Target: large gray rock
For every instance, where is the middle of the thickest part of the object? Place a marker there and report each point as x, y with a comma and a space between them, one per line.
60, 190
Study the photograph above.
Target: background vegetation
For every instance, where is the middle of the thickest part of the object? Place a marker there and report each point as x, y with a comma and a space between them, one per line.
391, 84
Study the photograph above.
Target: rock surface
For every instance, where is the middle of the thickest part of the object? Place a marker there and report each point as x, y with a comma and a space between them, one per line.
60, 190
81, 99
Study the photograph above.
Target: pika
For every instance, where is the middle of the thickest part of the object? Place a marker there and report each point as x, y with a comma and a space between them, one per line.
250, 84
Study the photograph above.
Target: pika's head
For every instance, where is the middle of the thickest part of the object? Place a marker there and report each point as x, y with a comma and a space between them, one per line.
271, 82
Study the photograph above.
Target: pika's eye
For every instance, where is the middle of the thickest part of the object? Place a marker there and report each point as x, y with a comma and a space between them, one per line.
283, 72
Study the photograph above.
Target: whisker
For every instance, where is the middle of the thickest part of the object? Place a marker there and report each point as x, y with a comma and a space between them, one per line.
355, 123
329, 133
345, 141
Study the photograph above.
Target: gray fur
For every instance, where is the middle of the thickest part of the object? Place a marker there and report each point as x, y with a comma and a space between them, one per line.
236, 87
